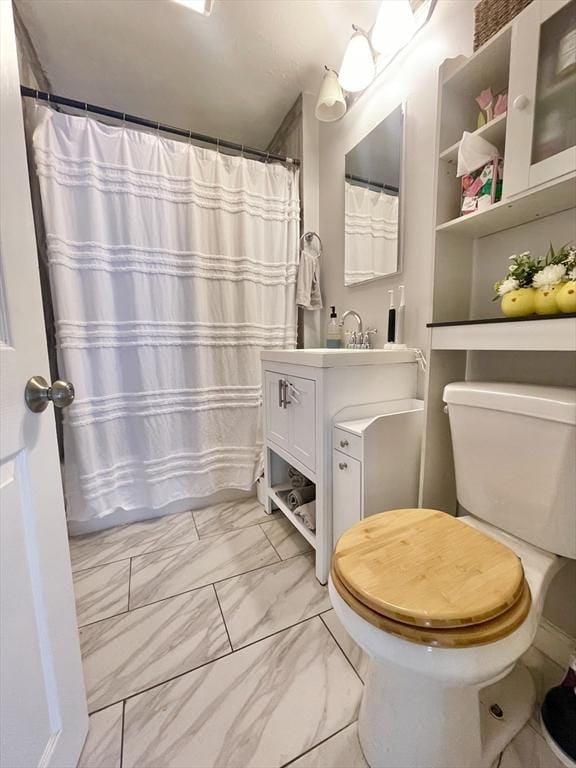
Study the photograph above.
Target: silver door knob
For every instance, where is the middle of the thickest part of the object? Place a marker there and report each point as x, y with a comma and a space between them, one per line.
39, 393
520, 102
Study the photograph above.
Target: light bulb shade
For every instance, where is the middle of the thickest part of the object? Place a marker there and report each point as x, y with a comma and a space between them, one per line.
395, 26
358, 68
331, 104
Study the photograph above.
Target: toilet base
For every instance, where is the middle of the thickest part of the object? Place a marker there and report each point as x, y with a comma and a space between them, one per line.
407, 721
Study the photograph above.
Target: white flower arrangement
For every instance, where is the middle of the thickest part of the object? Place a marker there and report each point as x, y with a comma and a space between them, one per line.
520, 273
544, 285
549, 276
507, 285
525, 271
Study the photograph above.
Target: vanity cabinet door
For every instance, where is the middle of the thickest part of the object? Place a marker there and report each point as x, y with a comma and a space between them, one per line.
346, 493
277, 416
301, 407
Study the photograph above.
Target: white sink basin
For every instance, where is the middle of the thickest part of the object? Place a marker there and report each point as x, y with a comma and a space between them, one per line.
332, 358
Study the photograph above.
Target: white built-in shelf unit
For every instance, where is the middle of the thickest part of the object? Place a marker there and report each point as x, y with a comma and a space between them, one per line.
464, 320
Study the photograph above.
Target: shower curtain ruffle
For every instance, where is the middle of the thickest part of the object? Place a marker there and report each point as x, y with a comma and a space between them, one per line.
171, 267
371, 233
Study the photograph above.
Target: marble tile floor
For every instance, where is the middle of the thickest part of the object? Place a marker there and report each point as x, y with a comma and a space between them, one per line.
207, 642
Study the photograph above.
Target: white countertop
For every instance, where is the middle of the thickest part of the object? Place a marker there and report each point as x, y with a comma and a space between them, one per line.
338, 358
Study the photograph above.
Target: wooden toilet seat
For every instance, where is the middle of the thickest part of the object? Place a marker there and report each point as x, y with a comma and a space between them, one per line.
430, 578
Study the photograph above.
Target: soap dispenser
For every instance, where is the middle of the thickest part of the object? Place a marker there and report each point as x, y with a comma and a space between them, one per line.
333, 330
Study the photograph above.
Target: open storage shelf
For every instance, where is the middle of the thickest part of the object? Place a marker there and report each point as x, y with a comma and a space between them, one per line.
494, 132
535, 333
553, 197
309, 535
488, 67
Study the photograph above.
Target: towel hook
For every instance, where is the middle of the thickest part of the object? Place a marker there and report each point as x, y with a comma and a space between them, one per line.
309, 236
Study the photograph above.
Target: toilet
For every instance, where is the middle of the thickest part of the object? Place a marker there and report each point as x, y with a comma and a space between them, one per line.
445, 606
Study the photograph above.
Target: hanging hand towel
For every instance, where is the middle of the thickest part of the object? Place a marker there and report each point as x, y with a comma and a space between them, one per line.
308, 285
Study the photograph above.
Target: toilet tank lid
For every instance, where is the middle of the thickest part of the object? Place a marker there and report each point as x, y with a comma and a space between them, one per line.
550, 403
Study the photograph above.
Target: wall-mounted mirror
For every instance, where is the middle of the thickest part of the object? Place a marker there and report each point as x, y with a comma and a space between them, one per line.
373, 201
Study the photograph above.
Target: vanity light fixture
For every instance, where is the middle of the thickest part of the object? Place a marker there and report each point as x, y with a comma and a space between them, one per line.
358, 68
368, 55
331, 104
395, 25
200, 6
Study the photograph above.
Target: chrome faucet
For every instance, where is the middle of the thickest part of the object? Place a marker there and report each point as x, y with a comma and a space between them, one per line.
358, 339
355, 315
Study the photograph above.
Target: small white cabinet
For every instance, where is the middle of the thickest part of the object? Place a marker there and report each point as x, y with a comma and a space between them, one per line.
303, 391
346, 493
375, 460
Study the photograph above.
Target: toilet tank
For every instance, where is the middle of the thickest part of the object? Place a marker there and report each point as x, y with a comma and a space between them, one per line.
515, 459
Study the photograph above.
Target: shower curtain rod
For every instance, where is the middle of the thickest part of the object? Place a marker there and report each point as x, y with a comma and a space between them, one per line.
360, 180
143, 122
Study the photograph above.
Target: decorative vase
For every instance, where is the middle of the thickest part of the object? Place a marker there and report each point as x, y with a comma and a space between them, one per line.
519, 303
566, 297
545, 302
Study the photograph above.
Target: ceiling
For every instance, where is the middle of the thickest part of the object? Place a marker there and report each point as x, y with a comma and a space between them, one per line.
233, 74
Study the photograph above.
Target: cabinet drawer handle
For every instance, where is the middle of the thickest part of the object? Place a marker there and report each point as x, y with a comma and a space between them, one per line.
344, 443
280, 393
343, 465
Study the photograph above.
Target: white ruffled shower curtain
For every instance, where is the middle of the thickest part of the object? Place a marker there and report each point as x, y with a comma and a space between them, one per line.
370, 232
171, 267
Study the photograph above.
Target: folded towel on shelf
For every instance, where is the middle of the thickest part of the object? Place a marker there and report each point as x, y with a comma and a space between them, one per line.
297, 479
283, 496
299, 496
307, 513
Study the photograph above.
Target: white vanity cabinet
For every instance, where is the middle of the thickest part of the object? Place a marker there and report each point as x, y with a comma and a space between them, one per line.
303, 391
375, 460
291, 414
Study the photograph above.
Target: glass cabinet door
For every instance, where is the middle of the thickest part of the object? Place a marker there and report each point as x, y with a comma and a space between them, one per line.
555, 104
541, 127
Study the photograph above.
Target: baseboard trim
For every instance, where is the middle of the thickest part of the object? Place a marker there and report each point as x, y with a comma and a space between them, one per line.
554, 643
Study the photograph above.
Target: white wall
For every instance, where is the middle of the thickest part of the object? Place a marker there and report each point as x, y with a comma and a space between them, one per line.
310, 169
412, 78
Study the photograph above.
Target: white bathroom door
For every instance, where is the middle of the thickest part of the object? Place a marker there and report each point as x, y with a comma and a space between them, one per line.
43, 715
